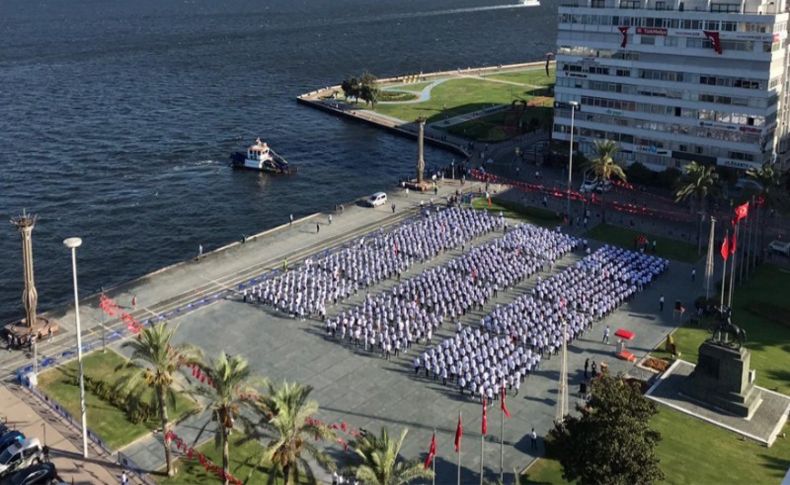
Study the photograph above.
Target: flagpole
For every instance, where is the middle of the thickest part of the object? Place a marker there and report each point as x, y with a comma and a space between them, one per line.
433, 462
724, 269
709, 262
482, 445
459, 453
502, 442
745, 251
733, 265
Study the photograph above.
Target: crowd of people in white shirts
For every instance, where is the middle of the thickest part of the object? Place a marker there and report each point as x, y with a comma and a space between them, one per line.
513, 338
411, 312
306, 291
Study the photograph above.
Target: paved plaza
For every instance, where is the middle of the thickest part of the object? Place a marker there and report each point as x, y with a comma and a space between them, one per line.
368, 392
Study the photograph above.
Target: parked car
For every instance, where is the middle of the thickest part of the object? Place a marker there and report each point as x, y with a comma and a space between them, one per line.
38, 474
781, 247
9, 438
20, 455
377, 199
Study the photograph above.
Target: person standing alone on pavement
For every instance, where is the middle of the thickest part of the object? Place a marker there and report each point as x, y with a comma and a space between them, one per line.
606, 335
586, 366
661, 303
693, 274
534, 437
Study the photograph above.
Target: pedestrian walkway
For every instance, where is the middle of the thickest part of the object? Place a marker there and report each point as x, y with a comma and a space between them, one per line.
34, 419
171, 291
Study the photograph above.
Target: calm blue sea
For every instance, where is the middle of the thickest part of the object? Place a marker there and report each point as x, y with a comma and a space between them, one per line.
117, 116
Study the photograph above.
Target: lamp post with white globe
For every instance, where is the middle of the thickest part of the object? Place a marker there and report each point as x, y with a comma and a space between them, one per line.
73, 243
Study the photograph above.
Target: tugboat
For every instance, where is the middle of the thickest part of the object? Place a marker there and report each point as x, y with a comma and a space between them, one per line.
260, 157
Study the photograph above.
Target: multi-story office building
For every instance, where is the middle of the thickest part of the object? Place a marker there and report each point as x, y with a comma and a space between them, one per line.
675, 80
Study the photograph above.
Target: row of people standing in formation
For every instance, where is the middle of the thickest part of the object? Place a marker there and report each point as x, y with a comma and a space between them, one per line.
411, 312
512, 339
309, 289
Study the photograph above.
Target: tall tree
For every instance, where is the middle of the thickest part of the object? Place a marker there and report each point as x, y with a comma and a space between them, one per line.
606, 168
368, 88
381, 461
698, 183
611, 442
350, 88
769, 179
232, 387
161, 359
288, 414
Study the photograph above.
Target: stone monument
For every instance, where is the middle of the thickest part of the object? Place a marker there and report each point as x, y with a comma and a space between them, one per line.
32, 324
722, 377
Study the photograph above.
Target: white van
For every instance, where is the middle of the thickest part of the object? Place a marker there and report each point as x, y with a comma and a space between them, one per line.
377, 199
20, 455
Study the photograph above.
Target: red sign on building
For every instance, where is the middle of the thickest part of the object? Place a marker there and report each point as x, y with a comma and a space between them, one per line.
651, 31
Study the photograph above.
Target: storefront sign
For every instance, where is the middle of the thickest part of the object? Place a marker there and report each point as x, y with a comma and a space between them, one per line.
651, 31
726, 162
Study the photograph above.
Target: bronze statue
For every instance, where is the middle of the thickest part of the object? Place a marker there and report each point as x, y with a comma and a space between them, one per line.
724, 329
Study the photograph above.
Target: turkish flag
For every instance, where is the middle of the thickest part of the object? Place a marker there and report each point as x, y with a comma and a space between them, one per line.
459, 432
725, 248
503, 405
741, 212
431, 452
713, 37
484, 429
624, 33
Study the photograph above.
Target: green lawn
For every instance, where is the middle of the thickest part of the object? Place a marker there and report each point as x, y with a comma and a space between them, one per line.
416, 87
458, 96
535, 77
104, 419
505, 124
695, 452
762, 308
513, 210
244, 455
396, 96
667, 248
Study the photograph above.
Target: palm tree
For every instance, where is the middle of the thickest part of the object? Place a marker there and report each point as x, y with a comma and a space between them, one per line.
771, 182
161, 359
380, 463
769, 178
698, 183
605, 167
232, 387
288, 415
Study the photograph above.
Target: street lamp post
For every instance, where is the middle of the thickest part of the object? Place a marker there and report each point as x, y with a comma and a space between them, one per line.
73, 243
574, 107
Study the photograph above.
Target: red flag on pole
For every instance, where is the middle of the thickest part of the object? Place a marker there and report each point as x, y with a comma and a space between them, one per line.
714, 39
431, 452
459, 432
624, 33
732, 244
725, 248
741, 212
484, 429
503, 405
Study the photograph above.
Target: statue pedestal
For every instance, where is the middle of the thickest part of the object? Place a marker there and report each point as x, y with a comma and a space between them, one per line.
722, 379
40, 329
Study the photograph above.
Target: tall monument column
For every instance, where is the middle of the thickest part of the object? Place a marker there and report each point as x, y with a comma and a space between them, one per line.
420, 151
25, 224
